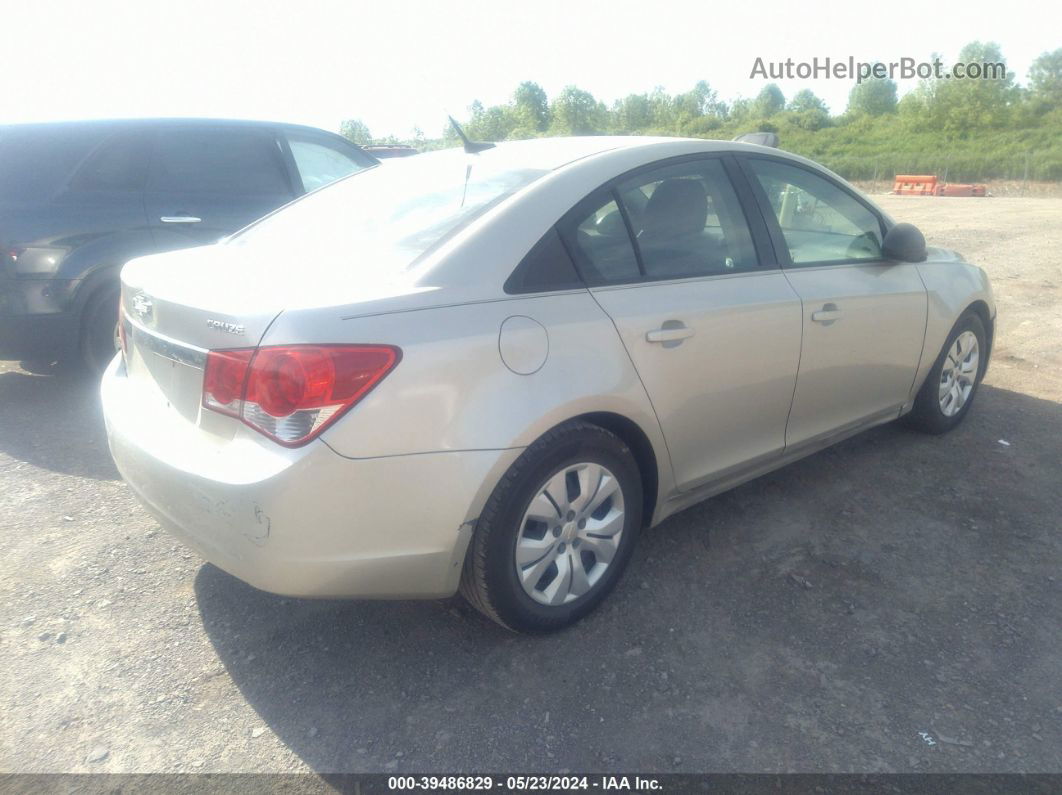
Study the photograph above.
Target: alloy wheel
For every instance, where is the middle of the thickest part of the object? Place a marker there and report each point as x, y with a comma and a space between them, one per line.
959, 374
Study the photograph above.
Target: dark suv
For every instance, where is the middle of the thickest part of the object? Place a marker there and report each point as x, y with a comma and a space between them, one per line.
79, 199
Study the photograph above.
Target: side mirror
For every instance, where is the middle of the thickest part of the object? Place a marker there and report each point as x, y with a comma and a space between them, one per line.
905, 243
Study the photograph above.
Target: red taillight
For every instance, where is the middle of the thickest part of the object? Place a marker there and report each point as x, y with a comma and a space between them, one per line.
291, 393
226, 372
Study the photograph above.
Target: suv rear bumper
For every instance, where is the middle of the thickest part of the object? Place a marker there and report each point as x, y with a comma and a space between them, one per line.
51, 336
36, 318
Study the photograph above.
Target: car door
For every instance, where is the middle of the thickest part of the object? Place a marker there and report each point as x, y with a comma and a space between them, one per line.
208, 181
864, 317
320, 159
99, 212
711, 325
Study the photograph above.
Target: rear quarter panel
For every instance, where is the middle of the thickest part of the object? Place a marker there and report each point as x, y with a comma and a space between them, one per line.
453, 391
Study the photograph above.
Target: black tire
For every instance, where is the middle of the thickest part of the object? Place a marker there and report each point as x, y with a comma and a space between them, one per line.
490, 581
927, 415
99, 327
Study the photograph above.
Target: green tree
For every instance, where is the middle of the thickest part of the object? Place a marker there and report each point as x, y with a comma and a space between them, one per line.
807, 111
661, 109
875, 96
806, 100
575, 112
740, 109
495, 123
768, 102
532, 107
958, 106
632, 114
1045, 80
356, 131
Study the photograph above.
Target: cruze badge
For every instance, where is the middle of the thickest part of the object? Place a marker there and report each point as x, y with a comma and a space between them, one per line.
142, 306
221, 325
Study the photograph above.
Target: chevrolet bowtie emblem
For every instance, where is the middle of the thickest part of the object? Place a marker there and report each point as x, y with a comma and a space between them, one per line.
143, 307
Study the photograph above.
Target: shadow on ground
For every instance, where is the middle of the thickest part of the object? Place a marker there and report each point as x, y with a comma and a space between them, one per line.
51, 418
819, 618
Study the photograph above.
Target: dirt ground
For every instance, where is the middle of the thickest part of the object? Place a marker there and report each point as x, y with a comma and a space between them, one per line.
891, 604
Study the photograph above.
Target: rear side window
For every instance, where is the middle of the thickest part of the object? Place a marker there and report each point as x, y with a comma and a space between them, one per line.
319, 163
597, 236
37, 161
672, 222
546, 267
120, 164
687, 221
220, 160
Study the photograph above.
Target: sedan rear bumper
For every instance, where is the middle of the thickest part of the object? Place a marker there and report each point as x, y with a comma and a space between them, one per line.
301, 522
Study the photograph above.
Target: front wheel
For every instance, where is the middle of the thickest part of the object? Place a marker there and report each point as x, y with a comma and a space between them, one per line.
557, 532
951, 385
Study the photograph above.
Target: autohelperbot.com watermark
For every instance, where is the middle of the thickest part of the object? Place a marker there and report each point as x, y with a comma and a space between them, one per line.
851, 69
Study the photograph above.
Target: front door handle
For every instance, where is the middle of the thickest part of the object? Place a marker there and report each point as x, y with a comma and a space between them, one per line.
180, 219
672, 334
827, 314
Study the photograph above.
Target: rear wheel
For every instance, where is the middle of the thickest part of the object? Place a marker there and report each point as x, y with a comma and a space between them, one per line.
99, 330
557, 532
951, 385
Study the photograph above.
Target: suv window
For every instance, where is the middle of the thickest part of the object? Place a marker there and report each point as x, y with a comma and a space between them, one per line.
319, 163
36, 160
687, 221
119, 164
821, 222
218, 160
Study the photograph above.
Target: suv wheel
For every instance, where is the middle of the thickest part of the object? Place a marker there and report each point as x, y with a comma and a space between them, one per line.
99, 330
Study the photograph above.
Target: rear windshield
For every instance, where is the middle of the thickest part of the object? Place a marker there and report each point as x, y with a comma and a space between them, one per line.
389, 216
36, 161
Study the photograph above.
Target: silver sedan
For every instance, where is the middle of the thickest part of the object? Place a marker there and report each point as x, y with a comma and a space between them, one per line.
490, 370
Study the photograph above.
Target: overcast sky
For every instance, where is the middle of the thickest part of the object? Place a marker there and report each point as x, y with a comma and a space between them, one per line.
405, 64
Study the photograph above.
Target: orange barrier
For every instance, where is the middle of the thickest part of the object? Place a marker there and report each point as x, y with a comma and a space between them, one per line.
915, 185
961, 190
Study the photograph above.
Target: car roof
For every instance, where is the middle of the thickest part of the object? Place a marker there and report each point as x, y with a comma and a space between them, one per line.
154, 123
554, 153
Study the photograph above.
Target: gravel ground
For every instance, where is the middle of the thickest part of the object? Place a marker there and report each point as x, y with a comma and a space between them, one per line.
891, 604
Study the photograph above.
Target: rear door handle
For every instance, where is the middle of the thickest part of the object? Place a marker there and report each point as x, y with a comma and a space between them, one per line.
827, 314
669, 334
180, 219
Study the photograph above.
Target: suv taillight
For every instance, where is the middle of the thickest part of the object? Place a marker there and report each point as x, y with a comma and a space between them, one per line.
291, 393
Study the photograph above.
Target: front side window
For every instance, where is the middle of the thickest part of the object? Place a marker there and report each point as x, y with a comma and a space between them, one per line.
319, 163
821, 223
218, 160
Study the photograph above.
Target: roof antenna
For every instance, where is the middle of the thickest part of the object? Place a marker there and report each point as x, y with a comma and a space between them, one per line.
472, 147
